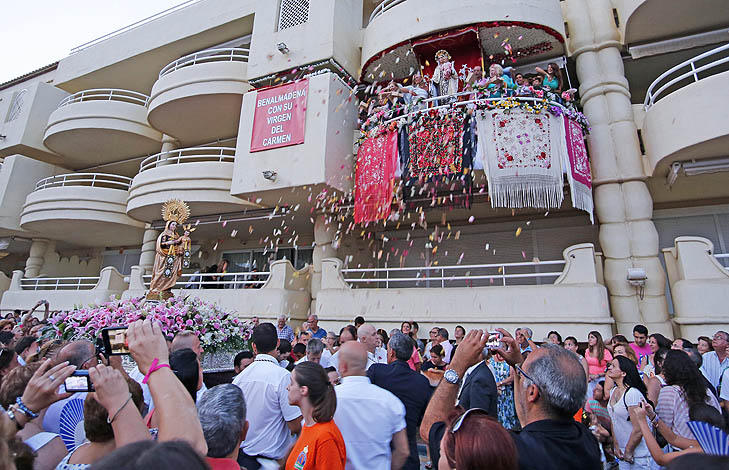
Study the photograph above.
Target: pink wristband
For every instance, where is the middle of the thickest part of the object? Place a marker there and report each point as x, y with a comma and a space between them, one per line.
153, 368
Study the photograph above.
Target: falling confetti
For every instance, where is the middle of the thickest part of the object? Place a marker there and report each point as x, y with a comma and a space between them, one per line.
472, 218
518, 232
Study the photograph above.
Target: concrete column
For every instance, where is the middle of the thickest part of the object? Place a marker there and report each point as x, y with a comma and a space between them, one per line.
149, 246
168, 143
623, 203
36, 257
324, 234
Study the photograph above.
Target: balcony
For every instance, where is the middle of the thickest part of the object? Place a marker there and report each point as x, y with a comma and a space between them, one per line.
637, 18
397, 28
63, 293
201, 176
24, 109
94, 127
699, 286
430, 295
686, 112
280, 291
197, 98
86, 209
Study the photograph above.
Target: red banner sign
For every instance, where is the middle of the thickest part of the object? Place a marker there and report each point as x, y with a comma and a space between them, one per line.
280, 116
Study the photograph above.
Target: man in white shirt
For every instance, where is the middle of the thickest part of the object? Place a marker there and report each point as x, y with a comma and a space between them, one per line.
314, 353
716, 362
442, 339
272, 420
369, 417
367, 335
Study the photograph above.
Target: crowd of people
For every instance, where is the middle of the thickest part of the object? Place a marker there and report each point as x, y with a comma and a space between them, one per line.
446, 86
364, 398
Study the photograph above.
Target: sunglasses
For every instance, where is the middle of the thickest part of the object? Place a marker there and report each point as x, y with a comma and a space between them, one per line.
459, 421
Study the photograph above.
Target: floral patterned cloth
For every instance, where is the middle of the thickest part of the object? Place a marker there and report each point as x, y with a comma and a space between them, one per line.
505, 405
374, 178
580, 174
523, 153
436, 145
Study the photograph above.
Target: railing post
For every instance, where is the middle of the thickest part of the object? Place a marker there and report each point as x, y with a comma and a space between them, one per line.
693, 69
503, 275
442, 278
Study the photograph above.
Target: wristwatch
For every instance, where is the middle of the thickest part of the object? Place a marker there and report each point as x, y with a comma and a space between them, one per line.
451, 376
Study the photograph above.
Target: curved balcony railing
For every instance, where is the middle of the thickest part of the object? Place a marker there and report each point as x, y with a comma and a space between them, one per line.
98, 180
106, 94
243, 280
424, 106
447, 276
189, 155
234, 54
383, 7
676, 74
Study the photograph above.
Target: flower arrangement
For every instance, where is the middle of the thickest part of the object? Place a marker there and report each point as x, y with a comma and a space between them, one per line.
218, 330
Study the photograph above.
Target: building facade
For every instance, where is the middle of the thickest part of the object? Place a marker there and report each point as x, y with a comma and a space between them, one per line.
250, 111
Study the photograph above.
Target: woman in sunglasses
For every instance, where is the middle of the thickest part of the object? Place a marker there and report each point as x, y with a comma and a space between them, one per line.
628, 443
473, 441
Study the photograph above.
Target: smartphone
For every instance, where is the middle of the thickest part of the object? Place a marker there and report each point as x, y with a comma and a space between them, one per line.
115, 340
494, 340
79, 381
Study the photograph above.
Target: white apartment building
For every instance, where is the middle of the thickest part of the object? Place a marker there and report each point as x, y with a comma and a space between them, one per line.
94, 144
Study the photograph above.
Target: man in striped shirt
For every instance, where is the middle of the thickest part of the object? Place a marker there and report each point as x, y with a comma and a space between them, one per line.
283, 330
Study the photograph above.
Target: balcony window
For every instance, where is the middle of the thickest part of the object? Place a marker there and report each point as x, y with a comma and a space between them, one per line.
293, 13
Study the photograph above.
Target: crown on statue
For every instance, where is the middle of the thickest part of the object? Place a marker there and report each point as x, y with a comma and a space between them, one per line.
442, 53
175, 210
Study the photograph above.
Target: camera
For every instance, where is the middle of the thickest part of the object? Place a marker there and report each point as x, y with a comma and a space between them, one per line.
115, 340
79, 381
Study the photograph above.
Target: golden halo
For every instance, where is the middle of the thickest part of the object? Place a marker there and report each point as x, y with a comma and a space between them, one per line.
175, 210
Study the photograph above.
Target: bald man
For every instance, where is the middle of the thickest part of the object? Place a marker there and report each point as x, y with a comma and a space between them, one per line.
187, 340
369, 417
367, 335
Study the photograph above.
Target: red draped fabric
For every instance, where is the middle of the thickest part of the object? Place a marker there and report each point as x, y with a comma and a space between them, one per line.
436, 145
374, 178
462, 44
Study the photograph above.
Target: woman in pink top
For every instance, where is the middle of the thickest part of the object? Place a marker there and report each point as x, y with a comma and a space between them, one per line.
597, 357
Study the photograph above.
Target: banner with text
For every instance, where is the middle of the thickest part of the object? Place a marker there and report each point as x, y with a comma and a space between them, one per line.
280, 116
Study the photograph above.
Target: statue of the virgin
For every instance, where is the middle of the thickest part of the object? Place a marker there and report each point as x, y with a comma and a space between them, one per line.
169, 253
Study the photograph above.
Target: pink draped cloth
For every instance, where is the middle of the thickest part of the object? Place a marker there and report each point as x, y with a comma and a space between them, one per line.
374, 178
580, 174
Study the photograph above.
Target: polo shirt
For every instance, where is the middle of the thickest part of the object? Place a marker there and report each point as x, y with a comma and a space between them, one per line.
367, 416
321, 333
712, 368
264, 385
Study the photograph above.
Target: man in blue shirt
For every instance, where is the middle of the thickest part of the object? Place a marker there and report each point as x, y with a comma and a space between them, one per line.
316, 332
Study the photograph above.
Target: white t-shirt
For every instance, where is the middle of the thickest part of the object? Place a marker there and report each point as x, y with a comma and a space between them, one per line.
724, 392
367, 416
264, 385
619, 415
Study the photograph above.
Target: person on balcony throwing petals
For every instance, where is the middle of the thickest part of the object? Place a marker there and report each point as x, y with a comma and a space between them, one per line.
552, 78
498, 84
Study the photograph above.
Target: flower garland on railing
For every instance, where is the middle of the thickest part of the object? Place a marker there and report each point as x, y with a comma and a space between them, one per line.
384, 121
218, 330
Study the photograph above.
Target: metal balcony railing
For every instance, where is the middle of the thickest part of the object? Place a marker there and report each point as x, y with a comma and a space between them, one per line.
243, 280
134, 25
234, 54
189, 155
106, 94
440, 276
675, 75
383, 7
98, 180
59, 283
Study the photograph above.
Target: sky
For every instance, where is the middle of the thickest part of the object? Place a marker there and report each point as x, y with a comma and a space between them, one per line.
34, 33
